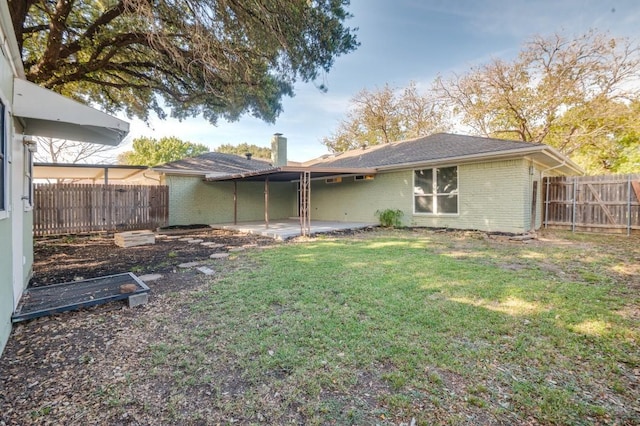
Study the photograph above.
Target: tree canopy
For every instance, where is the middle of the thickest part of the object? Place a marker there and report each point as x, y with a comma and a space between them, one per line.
219, 58
579, 95
387, 115
152, 152
244, 148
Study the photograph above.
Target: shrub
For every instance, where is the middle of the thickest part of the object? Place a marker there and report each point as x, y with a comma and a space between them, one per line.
390, 218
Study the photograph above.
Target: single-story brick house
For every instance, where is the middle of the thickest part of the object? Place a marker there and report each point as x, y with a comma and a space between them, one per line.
442, 180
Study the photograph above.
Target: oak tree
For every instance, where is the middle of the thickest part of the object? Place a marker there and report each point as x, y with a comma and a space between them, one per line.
218, 58
258, 152
387, 115
575, 94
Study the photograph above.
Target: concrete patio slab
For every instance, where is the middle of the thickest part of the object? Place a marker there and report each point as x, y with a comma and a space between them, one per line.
285, 229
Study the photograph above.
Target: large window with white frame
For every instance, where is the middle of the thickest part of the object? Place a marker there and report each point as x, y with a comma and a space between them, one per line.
4, 146
435, 190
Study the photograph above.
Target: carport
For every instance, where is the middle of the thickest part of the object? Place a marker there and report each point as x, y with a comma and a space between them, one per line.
301, 175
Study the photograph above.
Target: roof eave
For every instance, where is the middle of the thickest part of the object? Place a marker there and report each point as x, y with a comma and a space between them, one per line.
50, 114
563, 160
495, 155
179, 172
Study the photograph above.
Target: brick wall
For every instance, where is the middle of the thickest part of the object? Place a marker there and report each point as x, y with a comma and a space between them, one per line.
193, 201
493, 196
358, 201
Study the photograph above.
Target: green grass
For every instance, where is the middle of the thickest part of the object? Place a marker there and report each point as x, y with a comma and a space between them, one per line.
402, 325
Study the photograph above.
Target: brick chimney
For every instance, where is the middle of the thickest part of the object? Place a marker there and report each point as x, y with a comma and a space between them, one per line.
278, 150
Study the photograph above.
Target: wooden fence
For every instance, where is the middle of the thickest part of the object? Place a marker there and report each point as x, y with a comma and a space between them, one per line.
593, 203
78, 208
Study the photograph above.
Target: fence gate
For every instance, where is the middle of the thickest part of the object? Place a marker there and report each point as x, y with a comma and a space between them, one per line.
593, 203
78, 208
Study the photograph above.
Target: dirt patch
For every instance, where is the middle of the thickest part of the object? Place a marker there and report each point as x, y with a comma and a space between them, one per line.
58, 260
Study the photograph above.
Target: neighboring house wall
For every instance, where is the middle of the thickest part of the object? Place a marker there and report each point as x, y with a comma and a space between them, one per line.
16, 221
192, 201
21, 214
493, 196
6, 226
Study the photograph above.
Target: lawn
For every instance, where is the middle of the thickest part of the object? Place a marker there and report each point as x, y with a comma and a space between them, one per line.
384, 327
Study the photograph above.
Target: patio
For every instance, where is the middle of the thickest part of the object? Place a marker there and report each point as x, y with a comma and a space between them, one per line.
285, 229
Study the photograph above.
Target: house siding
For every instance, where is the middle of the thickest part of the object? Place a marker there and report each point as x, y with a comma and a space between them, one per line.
357, 201
6, 282
493, 196
6, 224
192, 201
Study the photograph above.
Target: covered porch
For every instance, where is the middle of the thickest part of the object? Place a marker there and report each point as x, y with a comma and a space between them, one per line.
290, 228
303, 225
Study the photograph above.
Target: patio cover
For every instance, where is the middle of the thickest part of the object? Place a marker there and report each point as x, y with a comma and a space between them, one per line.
49, 114
94, 172
289, 174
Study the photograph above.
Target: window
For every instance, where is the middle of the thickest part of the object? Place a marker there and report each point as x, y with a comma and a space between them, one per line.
3, 159
435, 191
333, 180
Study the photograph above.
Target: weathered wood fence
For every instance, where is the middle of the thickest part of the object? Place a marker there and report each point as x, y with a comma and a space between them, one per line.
78, 208
593, 203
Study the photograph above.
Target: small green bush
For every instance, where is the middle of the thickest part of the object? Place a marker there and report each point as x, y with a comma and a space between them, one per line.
390, 218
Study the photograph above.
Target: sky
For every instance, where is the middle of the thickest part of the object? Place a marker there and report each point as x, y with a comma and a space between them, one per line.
404, 41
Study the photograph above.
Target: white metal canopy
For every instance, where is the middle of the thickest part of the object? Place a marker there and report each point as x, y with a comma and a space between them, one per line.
89, 171
47, 113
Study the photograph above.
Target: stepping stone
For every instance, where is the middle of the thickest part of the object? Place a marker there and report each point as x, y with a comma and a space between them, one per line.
150, 277
184, 239
211, 244
194, 241
188, 265
172, 237
205, 270
219, 256
235, 249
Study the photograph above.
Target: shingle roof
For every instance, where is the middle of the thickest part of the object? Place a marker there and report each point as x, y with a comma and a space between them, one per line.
439, 146
216, 162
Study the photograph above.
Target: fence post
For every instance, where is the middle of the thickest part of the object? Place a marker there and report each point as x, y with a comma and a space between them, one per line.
573, 213
628, 205
546, 205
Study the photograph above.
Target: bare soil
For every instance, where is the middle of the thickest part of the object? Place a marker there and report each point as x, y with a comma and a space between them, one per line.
72, 258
